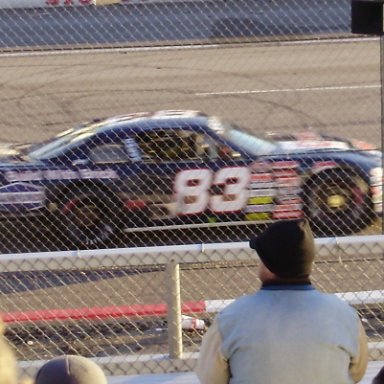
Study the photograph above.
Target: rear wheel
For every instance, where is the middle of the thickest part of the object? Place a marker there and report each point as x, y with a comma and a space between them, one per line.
338, 203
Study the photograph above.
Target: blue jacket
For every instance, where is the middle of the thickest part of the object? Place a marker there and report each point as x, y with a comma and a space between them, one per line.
288, 334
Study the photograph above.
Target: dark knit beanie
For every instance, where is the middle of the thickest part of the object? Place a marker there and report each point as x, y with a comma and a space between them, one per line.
286, 248
70, 369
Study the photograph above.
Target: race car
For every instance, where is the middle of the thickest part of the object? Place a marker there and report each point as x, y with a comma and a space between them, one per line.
185, 169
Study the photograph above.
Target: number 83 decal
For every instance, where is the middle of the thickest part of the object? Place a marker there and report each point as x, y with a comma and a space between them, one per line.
193, 190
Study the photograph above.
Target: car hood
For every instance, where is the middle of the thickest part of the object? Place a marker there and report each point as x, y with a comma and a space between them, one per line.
8, 150
11, 153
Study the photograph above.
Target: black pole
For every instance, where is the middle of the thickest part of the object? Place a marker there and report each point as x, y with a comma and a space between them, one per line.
367, 18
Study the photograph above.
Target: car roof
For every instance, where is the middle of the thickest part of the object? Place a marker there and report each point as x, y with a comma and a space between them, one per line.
148, 120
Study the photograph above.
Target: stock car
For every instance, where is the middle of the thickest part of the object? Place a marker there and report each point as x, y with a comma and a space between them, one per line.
185, 169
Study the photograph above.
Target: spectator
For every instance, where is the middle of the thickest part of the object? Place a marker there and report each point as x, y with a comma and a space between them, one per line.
379, 378
70, 369
8, 363
287, 332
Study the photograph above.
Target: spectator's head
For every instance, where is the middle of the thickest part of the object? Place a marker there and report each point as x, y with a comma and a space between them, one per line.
8, 364
286, 248
379, 378
70, 369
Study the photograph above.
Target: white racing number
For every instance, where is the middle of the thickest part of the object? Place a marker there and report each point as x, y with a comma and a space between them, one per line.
192, 190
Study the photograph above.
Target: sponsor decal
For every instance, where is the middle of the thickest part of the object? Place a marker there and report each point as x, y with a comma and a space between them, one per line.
310, 144
284, 200
253, 186
288, 207
260, 208
261, 177
261, 166
21, 196
285, 164
261, 200
288, 182
274, 191
258, 216
288, 191
279, 215
285, 173
13, 176
323, 165
97, 174
59, 174
262, 192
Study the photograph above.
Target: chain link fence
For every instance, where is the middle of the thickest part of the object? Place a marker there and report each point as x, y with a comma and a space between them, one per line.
133, 309
166, 123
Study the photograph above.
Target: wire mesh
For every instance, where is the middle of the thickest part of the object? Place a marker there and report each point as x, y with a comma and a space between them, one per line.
102, 148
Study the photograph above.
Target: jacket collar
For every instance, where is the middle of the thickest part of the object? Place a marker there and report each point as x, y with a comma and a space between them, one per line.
283, 286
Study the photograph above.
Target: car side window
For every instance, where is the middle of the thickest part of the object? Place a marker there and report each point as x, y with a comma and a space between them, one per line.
176, 145
167, 145
108, 154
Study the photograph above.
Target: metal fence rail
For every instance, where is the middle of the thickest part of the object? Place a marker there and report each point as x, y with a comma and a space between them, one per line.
144, 310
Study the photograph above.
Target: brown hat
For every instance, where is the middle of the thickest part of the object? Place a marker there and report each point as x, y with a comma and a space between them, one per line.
70, 369
287, 248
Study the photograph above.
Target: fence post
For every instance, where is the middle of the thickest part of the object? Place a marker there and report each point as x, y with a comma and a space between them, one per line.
174, 310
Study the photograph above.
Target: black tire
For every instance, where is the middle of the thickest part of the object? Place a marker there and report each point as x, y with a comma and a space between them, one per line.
90, 219
338, 203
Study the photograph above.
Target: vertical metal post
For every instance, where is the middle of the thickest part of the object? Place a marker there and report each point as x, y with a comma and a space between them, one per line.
174, 311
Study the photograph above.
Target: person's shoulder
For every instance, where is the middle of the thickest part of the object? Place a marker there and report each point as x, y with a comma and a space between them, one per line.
337, 302
236, 305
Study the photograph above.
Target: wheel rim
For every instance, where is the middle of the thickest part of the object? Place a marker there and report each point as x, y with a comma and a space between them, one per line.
86, 214
330, 201
335, 206
87, 224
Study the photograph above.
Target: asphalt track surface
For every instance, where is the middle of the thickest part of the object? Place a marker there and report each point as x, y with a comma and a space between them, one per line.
331, 86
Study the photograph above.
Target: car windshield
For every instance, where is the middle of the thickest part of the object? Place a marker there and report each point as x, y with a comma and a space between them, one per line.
60, 143
250, 143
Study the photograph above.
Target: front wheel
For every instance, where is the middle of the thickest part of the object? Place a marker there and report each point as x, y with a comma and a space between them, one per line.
90, 220
338, 203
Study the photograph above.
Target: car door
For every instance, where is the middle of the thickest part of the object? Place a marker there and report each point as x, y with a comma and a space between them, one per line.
188, 175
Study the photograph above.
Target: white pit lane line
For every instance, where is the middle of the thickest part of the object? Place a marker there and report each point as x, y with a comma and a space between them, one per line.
307, 89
